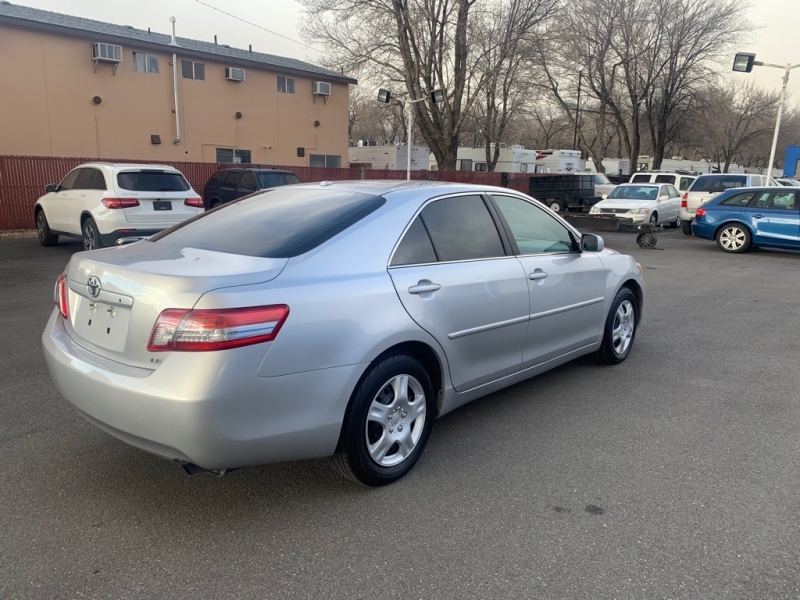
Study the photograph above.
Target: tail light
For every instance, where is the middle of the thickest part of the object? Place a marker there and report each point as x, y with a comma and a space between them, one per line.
60, 296
195, 202
700, 212
685, 200
120, 202
184, 330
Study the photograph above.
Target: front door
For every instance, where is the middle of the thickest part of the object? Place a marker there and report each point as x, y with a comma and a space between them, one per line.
227, 191
775, 217
57, 218
458, 282
567, 286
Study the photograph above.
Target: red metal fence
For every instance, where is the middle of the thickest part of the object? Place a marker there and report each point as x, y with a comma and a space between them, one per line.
23, 178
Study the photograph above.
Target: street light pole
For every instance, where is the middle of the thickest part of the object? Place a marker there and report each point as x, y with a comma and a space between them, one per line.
744, 63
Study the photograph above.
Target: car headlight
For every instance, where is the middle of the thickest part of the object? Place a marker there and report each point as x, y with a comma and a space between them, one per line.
640, 268
639, 211
594, 211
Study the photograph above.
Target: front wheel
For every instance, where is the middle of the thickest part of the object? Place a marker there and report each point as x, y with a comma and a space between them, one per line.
654, 220
387, 423
620, 328
91, 236
734, 238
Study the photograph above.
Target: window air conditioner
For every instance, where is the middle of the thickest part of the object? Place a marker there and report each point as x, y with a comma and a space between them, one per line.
234, 74
321, 88
110, 53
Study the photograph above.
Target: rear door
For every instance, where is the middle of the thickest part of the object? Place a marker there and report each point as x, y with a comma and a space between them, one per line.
775, 217
227, 191
86, 195
247, 184
161, 195
458, 282
672, 203
567, 287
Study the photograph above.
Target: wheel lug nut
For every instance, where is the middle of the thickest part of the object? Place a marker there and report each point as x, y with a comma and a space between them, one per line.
405, 414
399, 428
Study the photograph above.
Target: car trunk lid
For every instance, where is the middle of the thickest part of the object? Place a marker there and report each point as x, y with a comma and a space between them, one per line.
117, 294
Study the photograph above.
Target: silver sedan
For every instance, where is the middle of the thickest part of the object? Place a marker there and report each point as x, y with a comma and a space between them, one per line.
334, 319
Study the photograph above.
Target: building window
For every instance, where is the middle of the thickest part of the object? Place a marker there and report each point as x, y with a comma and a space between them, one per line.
333, 161
466, 164
193, 70
232, 156
480, 166
286, 85
145, 63
523, 167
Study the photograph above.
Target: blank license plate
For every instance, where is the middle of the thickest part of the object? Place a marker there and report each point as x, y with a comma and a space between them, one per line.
162, 205
101, 323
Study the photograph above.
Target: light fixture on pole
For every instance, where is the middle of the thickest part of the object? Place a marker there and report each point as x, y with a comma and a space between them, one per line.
744, 62
385, 96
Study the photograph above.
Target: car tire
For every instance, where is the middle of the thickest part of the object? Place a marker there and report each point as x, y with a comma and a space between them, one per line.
734, 238
91, 236
654, 219
687, 227
555, 205
676, 223
619, 332
46, 237
384, 432
214, 203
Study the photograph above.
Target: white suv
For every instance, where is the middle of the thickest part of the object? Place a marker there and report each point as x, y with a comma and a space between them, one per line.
105, 203
706, 187
682, 181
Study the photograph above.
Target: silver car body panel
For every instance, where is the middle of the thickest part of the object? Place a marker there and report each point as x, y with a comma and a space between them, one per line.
286, 399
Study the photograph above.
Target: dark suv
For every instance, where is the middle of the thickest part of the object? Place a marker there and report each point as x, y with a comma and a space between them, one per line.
229, 184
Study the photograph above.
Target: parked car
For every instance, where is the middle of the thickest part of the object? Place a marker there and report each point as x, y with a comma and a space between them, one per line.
788, 182
288, 341
228, 184
602, 184
706, 187
742, 219
103, 203
658, 204
682, 181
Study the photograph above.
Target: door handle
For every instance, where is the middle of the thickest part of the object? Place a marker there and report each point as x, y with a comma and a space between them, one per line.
424, 287
537, 274
758, 216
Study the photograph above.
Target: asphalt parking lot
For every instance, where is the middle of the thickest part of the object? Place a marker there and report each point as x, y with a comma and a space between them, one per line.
673, 475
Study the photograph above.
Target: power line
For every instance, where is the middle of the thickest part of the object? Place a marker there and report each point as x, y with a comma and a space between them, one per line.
256, 25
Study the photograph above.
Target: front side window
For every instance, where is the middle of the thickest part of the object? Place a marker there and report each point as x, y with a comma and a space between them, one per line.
416, 247
269, 180
232, 179
535, 231
85, 180
145, 63
68, 182
601, 179
193, 70
152, 181
285, 85
248, 182
462, 229
780, 200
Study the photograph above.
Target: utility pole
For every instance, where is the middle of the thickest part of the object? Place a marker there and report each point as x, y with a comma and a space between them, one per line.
577, 112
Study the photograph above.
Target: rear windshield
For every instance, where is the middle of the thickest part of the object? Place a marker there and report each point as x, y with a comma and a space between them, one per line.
152, 181
640, 179
718, 183
279, 223
268, 180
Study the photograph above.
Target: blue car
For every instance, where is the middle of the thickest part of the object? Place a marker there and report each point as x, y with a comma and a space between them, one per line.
744, 218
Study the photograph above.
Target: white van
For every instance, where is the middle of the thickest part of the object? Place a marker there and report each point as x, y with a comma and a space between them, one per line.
682, 181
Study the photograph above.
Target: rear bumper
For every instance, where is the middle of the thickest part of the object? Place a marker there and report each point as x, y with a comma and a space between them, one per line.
703, 230
111, 239
686, 215
207, 410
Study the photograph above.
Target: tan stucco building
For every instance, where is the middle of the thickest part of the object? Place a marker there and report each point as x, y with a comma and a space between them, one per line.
76, 87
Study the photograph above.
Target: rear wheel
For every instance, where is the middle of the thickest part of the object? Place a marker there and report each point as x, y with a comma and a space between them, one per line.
215, 203
555, 205
387, 423
46, 237
676, 223
687, 227
91, 236
734, 238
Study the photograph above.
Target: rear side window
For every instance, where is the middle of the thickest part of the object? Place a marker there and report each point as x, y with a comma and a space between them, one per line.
641, 179
416, 247
462, 229
665, 178
738, 199
278, 223
232, 179
685, 183
718, 183
152, 181
780, 199
268, 180
248, 182
217, 178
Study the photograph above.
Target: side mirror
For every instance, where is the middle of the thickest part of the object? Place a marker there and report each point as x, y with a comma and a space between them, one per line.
50, 188
591, 243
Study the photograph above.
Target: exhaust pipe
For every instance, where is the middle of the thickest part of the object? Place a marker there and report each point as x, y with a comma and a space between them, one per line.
193, 469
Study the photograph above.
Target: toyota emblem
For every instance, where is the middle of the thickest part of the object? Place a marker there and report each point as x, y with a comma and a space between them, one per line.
94, 287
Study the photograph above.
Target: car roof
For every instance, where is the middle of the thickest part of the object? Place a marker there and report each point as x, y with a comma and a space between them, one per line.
665, 173
127, 166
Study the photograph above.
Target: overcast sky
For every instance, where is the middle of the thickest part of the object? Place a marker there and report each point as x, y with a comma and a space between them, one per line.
776, 37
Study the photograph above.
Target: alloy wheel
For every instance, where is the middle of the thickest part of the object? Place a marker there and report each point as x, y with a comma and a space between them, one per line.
732, 238
40, 225
555, 207
89, 243
395, 420
624, 324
